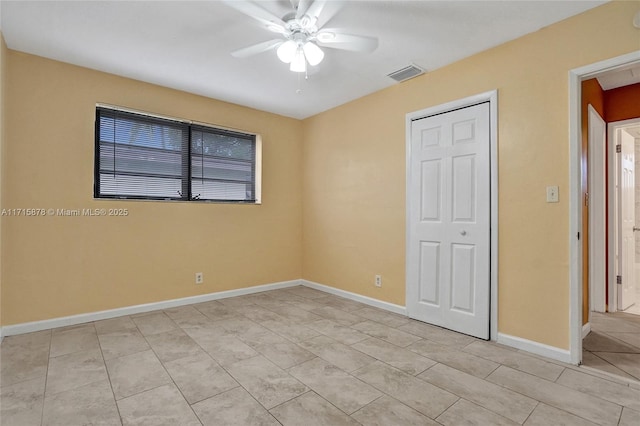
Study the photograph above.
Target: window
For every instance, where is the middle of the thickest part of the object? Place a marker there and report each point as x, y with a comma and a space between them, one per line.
144, 157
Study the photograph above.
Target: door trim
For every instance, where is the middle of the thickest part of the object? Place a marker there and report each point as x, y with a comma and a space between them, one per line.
492, 98
575, 200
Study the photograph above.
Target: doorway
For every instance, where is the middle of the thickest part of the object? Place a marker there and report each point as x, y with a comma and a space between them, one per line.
578, 201
452, 215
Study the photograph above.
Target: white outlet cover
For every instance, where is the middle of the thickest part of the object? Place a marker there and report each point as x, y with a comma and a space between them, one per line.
552, 194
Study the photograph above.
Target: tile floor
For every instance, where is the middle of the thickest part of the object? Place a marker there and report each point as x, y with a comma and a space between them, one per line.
294, 356
613, 345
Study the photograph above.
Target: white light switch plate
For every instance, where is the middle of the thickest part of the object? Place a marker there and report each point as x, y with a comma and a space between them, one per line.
552, 194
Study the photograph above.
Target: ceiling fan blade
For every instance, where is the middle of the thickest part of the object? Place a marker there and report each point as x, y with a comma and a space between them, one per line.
252, 10
301, 7
314, 9
355, 43
245, 52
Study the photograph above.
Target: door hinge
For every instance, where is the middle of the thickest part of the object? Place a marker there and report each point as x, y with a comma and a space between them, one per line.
618, 148
618, 279
586, 199
578, 235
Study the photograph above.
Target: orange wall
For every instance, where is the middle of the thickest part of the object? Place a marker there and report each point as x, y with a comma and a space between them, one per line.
622, 103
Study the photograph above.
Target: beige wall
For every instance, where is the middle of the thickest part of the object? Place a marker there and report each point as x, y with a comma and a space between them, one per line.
354, 171
3, 52
59, 266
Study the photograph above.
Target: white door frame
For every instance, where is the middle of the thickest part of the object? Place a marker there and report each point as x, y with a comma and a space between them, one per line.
492, 98
612, 226
575, 201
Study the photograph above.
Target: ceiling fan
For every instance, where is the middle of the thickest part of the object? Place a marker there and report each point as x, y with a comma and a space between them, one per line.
300, 38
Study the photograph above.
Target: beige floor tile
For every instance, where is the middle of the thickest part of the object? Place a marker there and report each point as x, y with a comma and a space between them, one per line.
586, 406
342, 356
187, 317
306, 304
601, 342
336, 315
437, 334
290, 330
340, 303
73, 370
383, 317
465, 413
420, 395
311, 410
336, 386
236, 301
545, 415
154, 323
284, 354
228, 350
215, 310
629, 363
454, 358
306, 292
80, 338
407, 361
136, 373
632, 339
259, 313
242, 326
387, 411
121, 343
115, 325
629, 417
501, 401
172, 345
337, 332
592, 360
295, 314
21, 403
24, 357
514, 359
92, 404
265, 381
161, 406
601, 388
199, 377
388, 334
233, 408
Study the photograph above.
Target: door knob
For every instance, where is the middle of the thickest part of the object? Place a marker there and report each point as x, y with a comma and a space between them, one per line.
635, 228
463, 232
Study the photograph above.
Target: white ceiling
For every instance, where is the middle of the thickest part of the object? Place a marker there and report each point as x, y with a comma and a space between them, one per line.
620, 78
186, 45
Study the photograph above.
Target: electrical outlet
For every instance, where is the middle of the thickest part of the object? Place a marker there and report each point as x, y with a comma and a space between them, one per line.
199, 277
378, 281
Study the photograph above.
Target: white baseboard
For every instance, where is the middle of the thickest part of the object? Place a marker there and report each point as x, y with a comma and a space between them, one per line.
552, 352
29, 327
586, 329
357, 297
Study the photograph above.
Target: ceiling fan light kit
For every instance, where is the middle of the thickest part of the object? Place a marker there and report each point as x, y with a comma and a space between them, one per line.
302, 39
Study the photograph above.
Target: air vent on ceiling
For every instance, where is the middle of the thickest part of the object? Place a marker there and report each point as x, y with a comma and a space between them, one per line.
406, 73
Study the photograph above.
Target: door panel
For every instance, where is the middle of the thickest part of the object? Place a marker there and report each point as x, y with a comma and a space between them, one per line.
449, 217
626, 296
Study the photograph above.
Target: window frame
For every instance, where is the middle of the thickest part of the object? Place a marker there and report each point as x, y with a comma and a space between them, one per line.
186, 178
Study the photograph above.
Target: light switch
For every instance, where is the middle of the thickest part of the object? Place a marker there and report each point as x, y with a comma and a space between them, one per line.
552, 194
